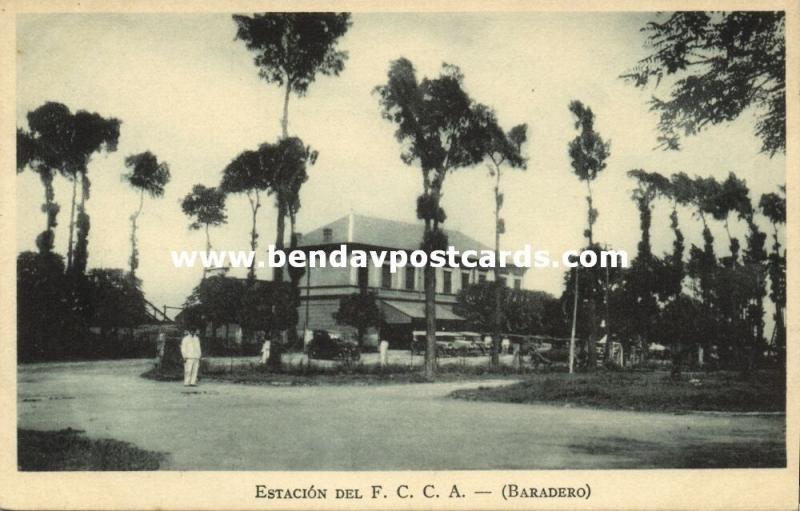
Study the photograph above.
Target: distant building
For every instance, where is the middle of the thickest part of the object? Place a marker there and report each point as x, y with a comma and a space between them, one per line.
401, 294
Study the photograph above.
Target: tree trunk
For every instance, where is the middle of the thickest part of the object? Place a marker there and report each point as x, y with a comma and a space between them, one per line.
80, 254
591, 358
208, 249
285, 119
430, 322
498, 305
574, 324
277, 273
45, 240
134, 260
254, 205
72, 221
608, 347
431, 226
590, 216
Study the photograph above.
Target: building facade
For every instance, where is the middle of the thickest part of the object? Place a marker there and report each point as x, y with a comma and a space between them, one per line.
401, 295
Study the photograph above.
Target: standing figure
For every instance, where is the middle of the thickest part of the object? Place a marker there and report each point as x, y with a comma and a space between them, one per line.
265, 350
161, 342
505, 345
383, 350
190, 351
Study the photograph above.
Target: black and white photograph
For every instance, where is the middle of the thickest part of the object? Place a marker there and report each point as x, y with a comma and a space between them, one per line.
350, 240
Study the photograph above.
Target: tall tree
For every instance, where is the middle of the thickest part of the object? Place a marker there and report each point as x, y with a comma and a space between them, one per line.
147, 175
249, 174
644, 281
65, 142
441, 129
731, 197
30, 155
773, 206
288, 159
588, 153
291, 48
206, 207
722, 64
504, 149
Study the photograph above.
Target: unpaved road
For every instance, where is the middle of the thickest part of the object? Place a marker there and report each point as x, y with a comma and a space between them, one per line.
222, 426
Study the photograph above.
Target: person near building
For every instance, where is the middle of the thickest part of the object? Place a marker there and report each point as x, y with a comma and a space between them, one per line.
191, 353
383, 350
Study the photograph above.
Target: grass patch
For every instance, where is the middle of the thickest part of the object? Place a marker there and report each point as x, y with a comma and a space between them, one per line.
645, 391
342, 374
761, 454
68, 450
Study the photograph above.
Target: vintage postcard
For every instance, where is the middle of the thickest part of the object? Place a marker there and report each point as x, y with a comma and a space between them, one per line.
399, 255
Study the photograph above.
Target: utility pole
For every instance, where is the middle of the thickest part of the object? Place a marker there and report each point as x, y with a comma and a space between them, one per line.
574, 320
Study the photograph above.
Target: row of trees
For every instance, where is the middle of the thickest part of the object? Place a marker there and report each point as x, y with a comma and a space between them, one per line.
58, 299
290, 50
704, 300
728, 62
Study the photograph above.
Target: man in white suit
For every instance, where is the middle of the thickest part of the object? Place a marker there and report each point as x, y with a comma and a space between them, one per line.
190, 351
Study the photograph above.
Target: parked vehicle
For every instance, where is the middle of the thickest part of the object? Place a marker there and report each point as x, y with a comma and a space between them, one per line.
327, 345
468, 344
450, 344
444, 343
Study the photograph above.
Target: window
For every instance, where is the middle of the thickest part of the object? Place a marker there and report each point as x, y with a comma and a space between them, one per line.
481, 277
386, 277
517, 284
448, 282
464, 279
410, 277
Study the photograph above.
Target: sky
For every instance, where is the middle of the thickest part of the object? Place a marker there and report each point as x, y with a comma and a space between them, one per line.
187, 91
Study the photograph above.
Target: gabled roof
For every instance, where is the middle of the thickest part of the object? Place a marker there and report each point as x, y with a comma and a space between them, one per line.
380, 232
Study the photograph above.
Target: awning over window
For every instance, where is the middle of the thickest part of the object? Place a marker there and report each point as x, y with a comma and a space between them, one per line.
398, 311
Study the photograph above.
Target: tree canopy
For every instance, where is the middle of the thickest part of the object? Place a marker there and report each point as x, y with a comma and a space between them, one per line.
147, 174
439, 126
723, 63
205, 205
292, 47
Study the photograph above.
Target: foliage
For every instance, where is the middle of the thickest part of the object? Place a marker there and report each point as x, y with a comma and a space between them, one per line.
206, 205
149, 176
255, 306
360, 311
146, 173
649, 186
113, 299
439, 126
588, 153
62, 142
291, 48
523, 311
55, 310
724, 63
441, 129
773, 206
248, 174
642, 391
